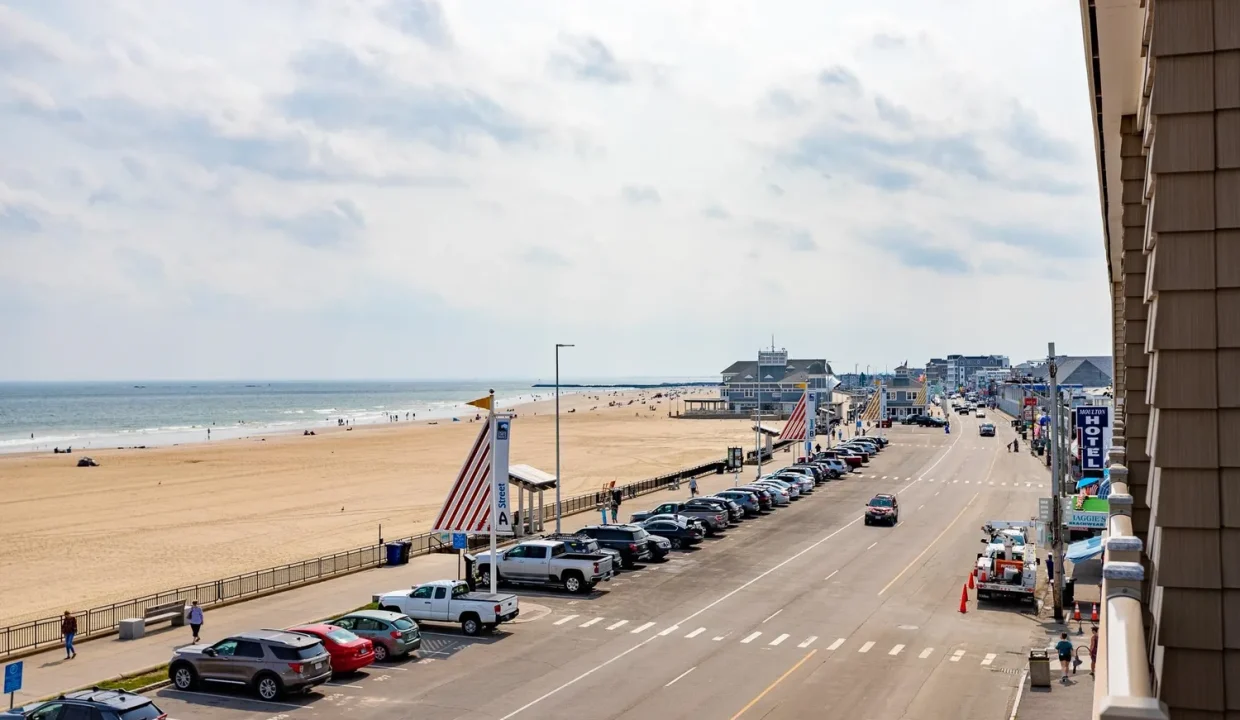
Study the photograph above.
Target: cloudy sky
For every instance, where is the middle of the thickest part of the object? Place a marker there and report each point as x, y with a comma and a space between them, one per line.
421, 189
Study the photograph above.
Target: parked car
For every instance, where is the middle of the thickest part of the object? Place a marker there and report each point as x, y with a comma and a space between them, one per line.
349, 652
882, 508
679, 534
854, 460
872, 445
631, 541
393, 634
766, 501
546, 562
748, 502
980, 413
812, 473
451, 601
803, 483
734, 512
986, 430
90, 704
270, 662
912, 419
586, 544
779, 496
793, 489
713, 519
660, 547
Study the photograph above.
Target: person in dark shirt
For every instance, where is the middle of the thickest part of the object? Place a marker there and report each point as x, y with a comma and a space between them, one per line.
1064, 648
68, 628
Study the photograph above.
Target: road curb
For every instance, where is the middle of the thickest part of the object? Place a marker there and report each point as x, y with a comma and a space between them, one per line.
1020, 692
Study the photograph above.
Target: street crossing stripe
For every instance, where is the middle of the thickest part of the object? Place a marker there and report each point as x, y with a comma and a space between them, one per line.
779, 639
866, 647
695, 633
669, 631
717, 638
990, 657
570, 618
925, 653
751, 638
588, 623
808, 641
613, 626
957, 655
895, 650
641, 628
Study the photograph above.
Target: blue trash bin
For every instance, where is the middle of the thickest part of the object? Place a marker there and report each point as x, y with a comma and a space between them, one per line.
393, 553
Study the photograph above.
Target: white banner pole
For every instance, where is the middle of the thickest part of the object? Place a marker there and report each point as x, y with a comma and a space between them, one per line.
494, 496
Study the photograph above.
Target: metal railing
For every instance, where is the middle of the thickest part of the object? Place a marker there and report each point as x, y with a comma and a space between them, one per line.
106, 619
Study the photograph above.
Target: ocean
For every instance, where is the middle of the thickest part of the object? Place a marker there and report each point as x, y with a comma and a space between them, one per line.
115, 414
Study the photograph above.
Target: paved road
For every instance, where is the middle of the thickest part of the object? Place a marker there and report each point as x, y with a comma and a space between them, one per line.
787, 615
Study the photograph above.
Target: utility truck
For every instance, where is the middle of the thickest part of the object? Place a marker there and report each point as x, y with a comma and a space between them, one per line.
1008, 567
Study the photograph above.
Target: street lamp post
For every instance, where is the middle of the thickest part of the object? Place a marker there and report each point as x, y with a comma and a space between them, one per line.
558, 508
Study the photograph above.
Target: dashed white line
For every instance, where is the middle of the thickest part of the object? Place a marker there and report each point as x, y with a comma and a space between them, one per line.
717, 638
922, 506
772, 615
570, 618
779, 639
750, 638
588, 623
925, 653
830, 576
872, 545
669, 631
884, 477
895, 650
808, 641
695, 633
673, 682
957, 655
836, 645
866, 647
990, 657
615, 625
641, 628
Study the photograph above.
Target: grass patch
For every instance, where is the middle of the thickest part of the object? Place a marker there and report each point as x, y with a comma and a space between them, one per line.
136, 681
368, 606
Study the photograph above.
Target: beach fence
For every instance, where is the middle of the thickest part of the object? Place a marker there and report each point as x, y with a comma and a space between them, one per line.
23, 638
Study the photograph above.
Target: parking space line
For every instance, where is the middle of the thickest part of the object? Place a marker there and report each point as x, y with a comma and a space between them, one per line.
588, 623
990, 657
641, 628
570, 618
871, 547
717, 638
925, 653
615, 625
772, 615
751, 638
669, 631
695, 633
895, 650
336, 684
779, 639
291, 706
808, 641
673, 682
830, 576
957, 655
866, 647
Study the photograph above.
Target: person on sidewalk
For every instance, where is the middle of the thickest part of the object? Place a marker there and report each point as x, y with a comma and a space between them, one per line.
1093, 650
68, 628
1064, 648
616, 498
693, 487
195, 619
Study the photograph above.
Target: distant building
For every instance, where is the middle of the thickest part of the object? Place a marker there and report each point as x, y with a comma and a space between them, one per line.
770, 382
906, 394
962, 369
1087, 371
936, 370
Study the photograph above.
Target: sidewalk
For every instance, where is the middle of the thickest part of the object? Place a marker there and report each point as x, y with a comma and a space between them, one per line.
48, 673
1071, 701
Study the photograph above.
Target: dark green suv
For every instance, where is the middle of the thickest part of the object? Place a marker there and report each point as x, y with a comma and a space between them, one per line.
93, 704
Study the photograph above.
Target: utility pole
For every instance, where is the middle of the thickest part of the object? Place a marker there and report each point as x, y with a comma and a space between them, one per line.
559, 510
1056, 486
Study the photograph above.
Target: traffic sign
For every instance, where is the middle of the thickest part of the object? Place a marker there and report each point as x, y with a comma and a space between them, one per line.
1044, 509
13, 677
460, 541
1031, 402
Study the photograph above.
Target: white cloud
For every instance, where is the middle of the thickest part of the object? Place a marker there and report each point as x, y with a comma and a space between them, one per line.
399, 179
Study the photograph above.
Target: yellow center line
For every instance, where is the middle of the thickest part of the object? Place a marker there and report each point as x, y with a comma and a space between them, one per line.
932, 542
772, 685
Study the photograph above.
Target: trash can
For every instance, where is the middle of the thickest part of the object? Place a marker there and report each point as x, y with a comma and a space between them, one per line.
394, 553
1039, 669
405, 547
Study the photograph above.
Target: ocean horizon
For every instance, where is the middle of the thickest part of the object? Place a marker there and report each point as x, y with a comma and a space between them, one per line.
39, 416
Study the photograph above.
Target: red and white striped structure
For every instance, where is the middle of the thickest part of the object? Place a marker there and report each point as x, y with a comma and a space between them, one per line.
467, 508
796, 427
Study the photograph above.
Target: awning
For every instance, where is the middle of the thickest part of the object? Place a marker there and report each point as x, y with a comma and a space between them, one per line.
1084, 550
1086, 482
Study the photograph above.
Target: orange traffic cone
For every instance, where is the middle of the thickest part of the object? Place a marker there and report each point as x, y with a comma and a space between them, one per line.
964, 599
971, 585
1093, 614
982, 576
1076, 612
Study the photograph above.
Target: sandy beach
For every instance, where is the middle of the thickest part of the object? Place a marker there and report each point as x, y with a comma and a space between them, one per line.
154, 519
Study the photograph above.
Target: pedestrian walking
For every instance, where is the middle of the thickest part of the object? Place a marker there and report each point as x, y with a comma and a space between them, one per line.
1093, 650
195, 619
68, 628
1064, 648
616, 498
693, 487
1050, 568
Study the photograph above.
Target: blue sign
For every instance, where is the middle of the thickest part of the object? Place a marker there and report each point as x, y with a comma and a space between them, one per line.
460, 541
12, 677
858, 424
1093, 423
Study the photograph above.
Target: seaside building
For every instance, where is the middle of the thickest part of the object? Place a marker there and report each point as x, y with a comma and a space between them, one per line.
1090, 371
936, 371
770, 382
962, 369
906, 394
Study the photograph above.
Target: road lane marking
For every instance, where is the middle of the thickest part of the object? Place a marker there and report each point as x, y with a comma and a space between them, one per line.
336, 684
808, 641
773, 615
567, 619
992, 482
641, 628
669, 631
1028, 484
772, 686
966, 482
588, 623
673, 682
750, 638
174, 691
866, 647
801, 553
990, 657
920, 506
931, 545
957, 655
895, 650
717, 638
695, 633
936, 494
779, 639
925, 653
615, 625
884, 477
830, 576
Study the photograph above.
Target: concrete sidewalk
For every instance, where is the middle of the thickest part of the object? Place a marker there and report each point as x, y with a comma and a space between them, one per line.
49, 673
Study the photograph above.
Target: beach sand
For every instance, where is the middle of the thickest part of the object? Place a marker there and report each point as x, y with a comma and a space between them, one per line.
155, 519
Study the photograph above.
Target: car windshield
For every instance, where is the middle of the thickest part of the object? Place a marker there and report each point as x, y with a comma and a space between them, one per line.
341, 636
403, 624
881, 502
640, 534
304, 652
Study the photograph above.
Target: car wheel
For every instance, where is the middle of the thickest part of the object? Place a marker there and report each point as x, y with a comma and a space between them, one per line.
381, 652
268, 687
183, 677
572, 583
676, 544
867, 521
470, 625
484, 575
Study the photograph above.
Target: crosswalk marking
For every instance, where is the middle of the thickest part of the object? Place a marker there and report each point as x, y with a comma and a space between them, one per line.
895, 650
884, 477
641, 628
1028, 484
835, 645
669, 631
695, 633
992, 482
615, 625
779, 639
717, 638
570, 618
588, 623
990, 657
866, 647
957, 655
966, 482
955, 481
808, 641
751, 638
925, 653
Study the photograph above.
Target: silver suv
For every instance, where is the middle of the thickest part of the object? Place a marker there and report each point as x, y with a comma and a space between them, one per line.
270, 662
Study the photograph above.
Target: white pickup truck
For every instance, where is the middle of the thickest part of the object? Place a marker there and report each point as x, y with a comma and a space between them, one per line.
547, 562
450, 601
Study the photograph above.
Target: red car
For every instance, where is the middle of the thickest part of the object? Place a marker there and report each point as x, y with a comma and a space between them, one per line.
349, 653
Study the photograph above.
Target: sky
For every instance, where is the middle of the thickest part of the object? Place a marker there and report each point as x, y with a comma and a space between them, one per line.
301, 189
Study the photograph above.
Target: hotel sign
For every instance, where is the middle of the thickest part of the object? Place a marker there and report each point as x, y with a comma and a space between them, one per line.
1093, 424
